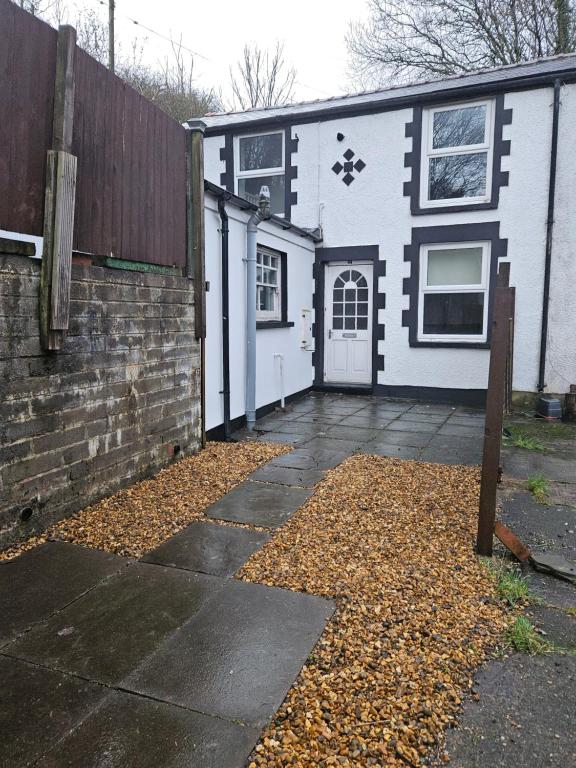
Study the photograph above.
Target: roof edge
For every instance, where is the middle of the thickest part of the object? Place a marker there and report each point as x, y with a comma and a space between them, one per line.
245, 205
527, 81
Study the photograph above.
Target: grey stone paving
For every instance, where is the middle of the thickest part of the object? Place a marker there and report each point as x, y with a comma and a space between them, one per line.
214, 656
46, 579
109, 631
263, 504
344, 424
130, 731
169, 662
246, 649
219, 550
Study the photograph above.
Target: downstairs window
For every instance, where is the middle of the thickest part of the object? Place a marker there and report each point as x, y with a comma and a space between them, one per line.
453, 301
268, 285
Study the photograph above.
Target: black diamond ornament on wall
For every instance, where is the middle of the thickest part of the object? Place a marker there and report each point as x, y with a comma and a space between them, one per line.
349, 167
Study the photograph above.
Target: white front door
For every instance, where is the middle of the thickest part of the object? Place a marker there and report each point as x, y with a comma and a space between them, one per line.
348, 324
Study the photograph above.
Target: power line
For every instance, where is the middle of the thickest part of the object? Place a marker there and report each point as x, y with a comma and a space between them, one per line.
158, 34
195, 53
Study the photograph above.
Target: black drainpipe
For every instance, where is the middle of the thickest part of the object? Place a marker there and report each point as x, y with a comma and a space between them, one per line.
225, 318
549, 234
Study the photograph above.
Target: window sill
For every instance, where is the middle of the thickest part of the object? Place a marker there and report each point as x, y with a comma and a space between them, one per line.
452, 344
421, 210
262, 325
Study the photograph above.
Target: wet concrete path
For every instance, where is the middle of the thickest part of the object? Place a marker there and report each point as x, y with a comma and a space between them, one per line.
163, 662
169, 661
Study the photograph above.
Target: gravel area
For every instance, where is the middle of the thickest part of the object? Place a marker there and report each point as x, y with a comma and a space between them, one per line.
392, 542
139, 518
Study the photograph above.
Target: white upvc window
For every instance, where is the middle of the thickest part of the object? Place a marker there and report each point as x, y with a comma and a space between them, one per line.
260, 162
457, 148
268, 285
454, 286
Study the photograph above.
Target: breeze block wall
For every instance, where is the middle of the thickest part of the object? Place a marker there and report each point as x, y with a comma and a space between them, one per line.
118, 402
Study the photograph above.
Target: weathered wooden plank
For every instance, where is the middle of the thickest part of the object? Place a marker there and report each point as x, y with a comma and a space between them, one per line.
195, 235
63, 225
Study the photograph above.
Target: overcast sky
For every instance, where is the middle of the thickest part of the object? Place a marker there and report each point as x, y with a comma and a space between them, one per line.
313, 32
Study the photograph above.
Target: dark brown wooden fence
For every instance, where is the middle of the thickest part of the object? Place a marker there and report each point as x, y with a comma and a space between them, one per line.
131, 180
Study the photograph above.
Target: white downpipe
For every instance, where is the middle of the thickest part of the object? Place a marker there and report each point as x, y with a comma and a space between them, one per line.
251, 320
280, 358
261, 214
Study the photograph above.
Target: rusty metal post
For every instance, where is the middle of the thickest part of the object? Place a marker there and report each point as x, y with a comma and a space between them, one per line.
495, 398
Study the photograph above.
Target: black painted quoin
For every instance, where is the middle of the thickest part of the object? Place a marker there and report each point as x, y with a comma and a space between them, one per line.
346, 254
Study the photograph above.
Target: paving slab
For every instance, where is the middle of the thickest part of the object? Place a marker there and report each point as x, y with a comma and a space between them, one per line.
356, 434
436, 408
302, 458
558, 626
437, 454
428, 418
393, 437
128, 731
45, 579
525, 718
289, 427
37, 707
239, 656
392, 451
303, 478
281, 437
412, 426
261, 504
320, 418
203, 547
368, 420
106, 633
462, 430
332, 445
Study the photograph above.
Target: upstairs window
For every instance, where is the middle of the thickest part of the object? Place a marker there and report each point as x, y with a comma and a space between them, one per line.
268, 285
457, 144
453, 303
261, 163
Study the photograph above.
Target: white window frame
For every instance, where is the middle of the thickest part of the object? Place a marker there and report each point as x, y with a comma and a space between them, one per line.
482, 287
279, 170
276, 313
428, 152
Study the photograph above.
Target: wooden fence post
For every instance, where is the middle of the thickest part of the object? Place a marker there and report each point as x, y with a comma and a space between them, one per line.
59, 201
495, 400
195, 246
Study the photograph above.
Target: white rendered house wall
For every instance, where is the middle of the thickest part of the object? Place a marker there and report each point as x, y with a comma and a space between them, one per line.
372, 210
297, 361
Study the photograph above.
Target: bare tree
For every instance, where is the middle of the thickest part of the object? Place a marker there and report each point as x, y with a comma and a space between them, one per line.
262, 78
169, 84
415, 39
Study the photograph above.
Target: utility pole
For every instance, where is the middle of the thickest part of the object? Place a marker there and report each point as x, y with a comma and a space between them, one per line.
111, 5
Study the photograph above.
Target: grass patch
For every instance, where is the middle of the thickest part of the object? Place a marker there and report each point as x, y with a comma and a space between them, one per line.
520, 439
539, 487
510, 585
522, 636
544, 433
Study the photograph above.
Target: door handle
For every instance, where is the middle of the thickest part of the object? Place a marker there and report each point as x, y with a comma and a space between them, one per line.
330, 333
